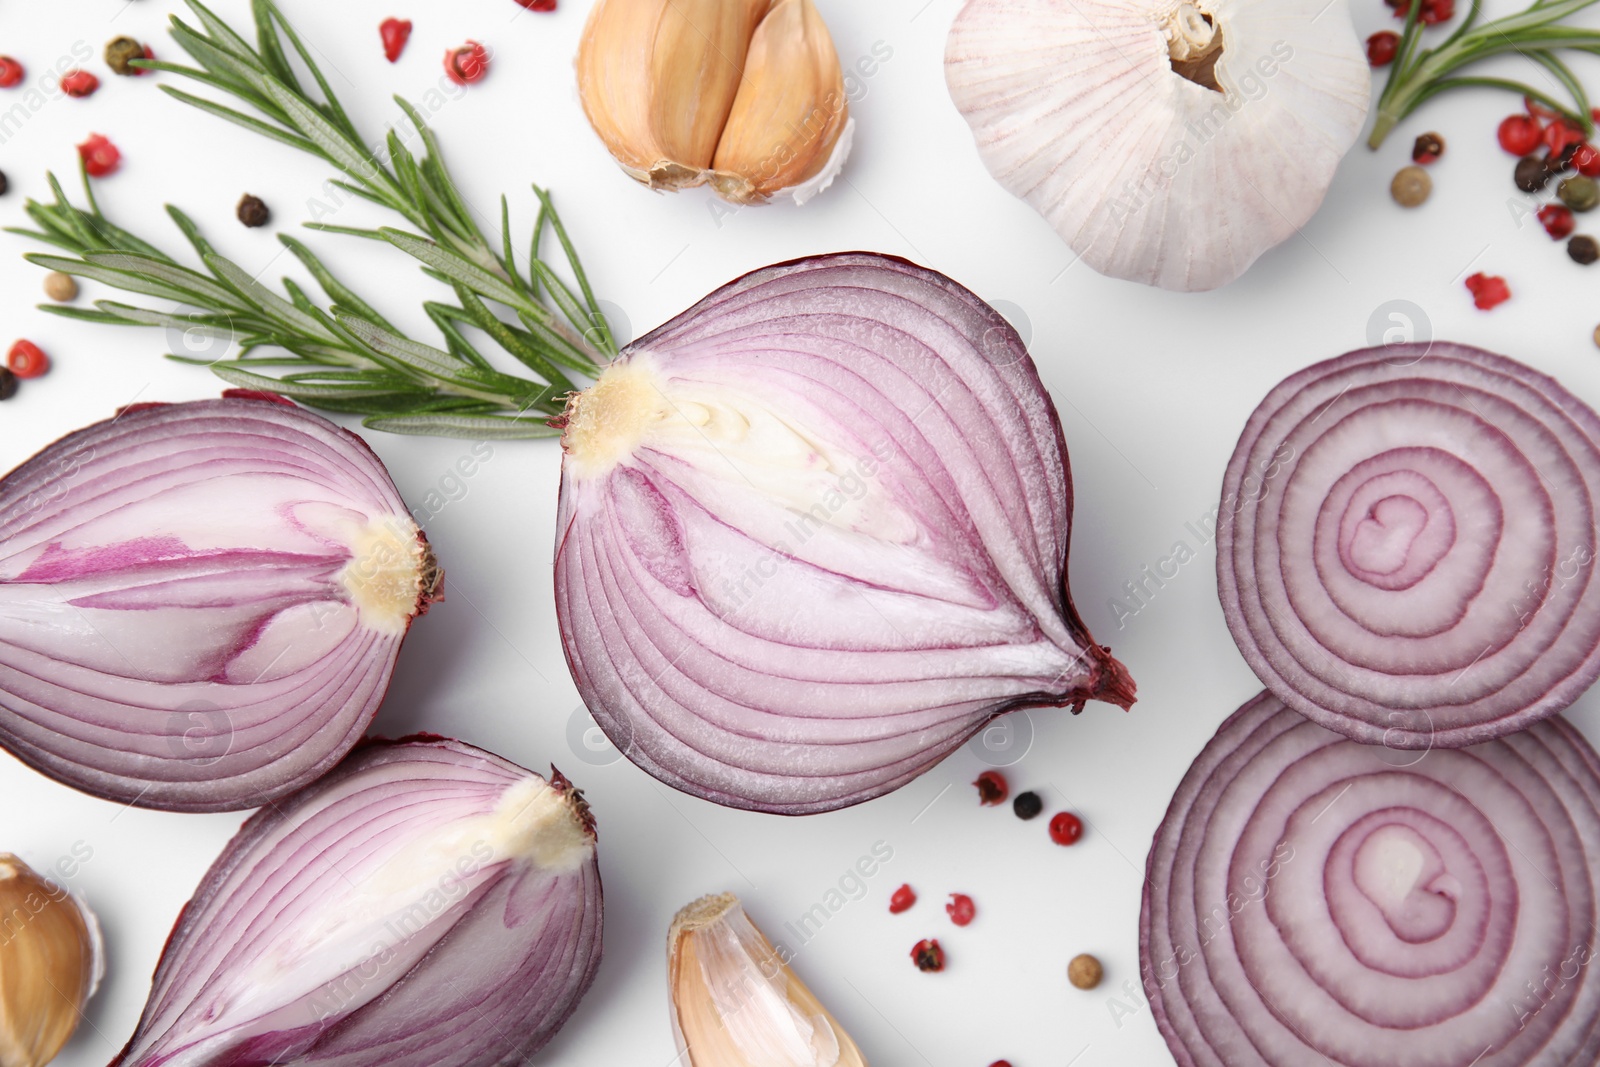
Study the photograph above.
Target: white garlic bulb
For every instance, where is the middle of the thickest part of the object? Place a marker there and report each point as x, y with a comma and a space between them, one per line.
1169, 142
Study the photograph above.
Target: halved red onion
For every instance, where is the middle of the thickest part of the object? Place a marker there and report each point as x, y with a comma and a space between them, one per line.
1312, 900
201, 603
1406, 545
813, 535
426, 904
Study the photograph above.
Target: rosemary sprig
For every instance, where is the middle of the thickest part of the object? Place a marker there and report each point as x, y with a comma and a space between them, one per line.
342, 355
1419, 74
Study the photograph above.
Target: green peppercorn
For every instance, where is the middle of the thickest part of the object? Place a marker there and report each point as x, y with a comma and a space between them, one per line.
1579, 193
1583, 249
1411, 186
1027, 805
121, 51
1532, 174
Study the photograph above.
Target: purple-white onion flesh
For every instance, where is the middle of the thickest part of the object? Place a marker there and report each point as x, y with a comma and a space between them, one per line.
1312, 900
1407, 543
201, 603
425, 904
813, 536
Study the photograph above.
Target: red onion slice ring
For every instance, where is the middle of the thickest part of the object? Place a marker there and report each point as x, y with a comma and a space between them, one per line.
1406, 546
201, 603
813, 535
1313, 900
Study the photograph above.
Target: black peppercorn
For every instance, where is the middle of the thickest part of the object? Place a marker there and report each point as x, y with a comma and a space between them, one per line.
253, 211
4, 185
1583, 249
1427, 148
1027, 805
121, 51
1532, 174
8, 384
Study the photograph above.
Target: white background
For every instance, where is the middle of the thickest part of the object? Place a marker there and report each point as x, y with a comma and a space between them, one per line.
1153, 388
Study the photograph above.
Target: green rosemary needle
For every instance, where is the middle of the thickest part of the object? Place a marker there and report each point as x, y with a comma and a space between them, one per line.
338, 353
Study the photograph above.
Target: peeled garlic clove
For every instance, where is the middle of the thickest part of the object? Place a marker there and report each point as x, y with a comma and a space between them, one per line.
50, 963
201, 604
1168, 143
746, 94
790, 124
426, 904
737, 1003
813, 537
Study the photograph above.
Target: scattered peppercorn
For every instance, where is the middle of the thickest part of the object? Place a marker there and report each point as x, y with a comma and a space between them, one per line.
1557, 221
5, 183
8, 384
992, 788
902, 900
961, 909
1597, 336
1583, 249
1027, 805
121, 51
1066, 828
60, 287
538, 5
1428, 147
79, 83
26, 360
1519, 134
100, 156
1586, 160
395, 34
1579, 193
1559, 136
1381, 48
927, 955
1085, 971
1000, 1063
467, 64
1411, 186
1531, 174
1489, 291
11, 72
253, 211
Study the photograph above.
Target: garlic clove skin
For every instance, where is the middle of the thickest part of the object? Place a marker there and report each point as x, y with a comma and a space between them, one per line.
1168, 143
51, 961
747, 95
737, 1003
790, 115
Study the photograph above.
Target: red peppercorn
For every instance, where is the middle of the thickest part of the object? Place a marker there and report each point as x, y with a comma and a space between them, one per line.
1520, 134
538, 5
1488, 291
902, 900
1381, 48
79, 83
467, 64
1559, 135
139, 72
927, 955
25, 360
11, 72
1558, 221
992, 788
961, 909
1427, 148
100, 156
1000, 1063
1066, 828
395, 34
1437, 11
1586, 160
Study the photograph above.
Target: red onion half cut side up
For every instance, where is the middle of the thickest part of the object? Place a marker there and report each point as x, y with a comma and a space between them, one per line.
201, 603
1313, 900
813, 536
1407, 545
425, 904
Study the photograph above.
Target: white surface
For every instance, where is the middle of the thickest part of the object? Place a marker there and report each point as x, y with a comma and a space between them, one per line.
1153, 389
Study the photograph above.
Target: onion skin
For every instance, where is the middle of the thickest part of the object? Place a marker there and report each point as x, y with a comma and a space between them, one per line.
1407, 543
425, 904
1309, 899
813, 536
201, 603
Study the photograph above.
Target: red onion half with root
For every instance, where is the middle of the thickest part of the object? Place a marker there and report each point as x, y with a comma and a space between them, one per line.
1407, 543
813, 536
1311, 900
425, 904
201, 603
